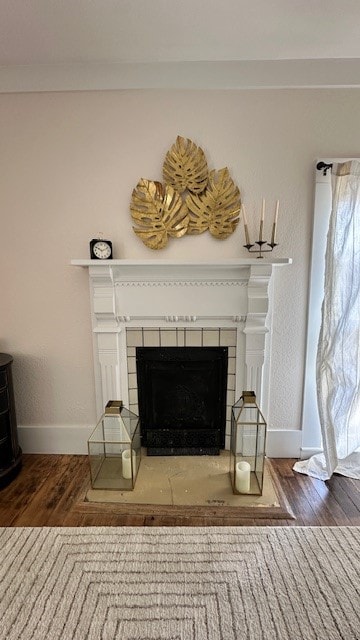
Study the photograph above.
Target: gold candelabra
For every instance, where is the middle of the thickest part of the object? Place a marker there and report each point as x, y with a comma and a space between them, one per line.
258, 245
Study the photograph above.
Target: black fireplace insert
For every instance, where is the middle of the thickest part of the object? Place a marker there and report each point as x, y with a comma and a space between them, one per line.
182, 399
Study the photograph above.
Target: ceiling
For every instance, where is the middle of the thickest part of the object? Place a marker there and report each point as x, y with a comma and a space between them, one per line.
121, 36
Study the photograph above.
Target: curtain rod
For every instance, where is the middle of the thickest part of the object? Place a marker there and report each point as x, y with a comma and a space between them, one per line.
324, 167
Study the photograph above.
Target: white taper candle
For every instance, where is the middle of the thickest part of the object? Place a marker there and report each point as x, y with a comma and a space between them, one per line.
247, 238
275, 222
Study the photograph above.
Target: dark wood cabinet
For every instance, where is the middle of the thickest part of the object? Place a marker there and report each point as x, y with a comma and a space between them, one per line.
10, 452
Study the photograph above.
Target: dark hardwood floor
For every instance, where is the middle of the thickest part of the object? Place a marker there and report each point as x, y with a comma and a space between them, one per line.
50, 491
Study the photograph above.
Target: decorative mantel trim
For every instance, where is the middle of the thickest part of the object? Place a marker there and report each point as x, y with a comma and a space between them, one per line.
174, 319
232, 293
181, 283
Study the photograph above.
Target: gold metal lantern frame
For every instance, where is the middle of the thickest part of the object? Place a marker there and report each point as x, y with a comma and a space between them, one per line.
114, 449
247, 446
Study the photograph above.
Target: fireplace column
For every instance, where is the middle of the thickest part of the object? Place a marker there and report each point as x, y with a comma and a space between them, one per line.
258, 322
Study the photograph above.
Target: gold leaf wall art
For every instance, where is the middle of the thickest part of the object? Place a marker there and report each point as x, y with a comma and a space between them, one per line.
158, 212
217, 208
185, 167
193, 200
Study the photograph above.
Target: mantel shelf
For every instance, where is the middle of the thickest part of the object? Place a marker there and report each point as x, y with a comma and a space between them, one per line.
229, 262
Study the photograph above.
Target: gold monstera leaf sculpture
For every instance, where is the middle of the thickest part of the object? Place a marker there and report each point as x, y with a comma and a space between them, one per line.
158, 212
192, 201
185, 167
217, 208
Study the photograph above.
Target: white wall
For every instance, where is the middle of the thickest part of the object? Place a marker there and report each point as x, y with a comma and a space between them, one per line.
68, 164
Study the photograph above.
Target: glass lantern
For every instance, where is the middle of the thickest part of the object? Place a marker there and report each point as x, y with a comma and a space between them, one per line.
114, 449
247, 446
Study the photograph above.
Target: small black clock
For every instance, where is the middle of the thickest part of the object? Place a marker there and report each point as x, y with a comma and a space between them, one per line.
100, 249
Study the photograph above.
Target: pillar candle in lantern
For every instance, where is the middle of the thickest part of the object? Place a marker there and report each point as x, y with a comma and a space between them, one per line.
127, 472
242, 477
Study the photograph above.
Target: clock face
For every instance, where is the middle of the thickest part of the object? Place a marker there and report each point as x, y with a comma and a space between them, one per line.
102, 250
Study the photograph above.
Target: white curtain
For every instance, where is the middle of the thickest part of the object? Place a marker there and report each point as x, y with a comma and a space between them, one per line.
338, 356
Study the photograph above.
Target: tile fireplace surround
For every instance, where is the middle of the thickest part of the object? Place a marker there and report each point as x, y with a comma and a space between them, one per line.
136, 303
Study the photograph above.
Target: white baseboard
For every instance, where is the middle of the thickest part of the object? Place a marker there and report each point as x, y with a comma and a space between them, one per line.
283, 443
307, 452
72, 439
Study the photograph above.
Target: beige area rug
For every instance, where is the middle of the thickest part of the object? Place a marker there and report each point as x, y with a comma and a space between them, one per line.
223, 583
184, 481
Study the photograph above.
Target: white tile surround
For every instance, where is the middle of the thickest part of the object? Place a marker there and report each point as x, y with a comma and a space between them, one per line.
182, 337
166, 303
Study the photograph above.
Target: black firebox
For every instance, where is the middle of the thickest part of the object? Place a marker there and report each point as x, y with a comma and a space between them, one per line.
182, 399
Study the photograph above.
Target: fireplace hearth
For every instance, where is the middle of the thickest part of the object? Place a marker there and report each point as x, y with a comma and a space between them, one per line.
182, 399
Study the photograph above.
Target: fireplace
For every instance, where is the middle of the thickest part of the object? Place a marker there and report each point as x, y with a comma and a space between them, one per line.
182, 399
223, 341
163, 303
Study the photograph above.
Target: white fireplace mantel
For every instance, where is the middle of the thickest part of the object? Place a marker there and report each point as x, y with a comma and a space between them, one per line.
183, 295
226, 262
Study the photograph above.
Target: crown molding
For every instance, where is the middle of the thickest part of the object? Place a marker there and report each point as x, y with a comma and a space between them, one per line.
245, 74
